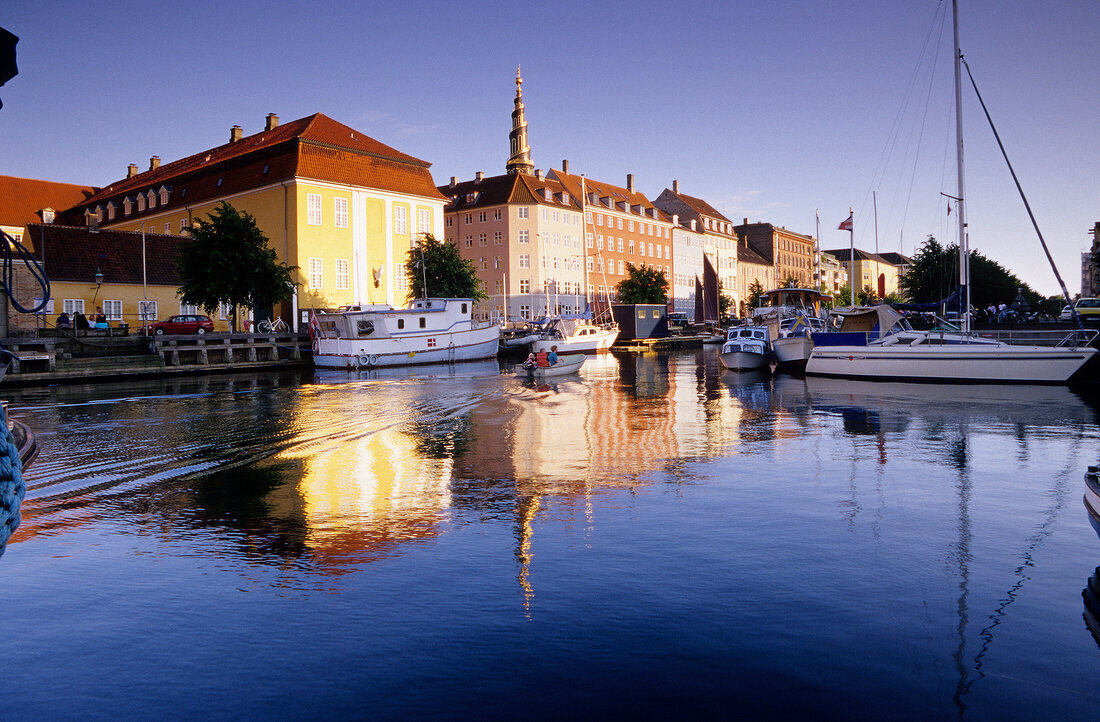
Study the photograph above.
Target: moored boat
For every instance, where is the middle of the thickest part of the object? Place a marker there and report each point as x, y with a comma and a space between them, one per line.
791, 315
746, 347
428, 331
575, 335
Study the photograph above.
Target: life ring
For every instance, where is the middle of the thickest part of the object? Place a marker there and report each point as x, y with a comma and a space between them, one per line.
364, 360
373, 359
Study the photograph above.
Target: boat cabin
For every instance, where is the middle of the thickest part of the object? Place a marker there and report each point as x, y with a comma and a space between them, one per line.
422, 316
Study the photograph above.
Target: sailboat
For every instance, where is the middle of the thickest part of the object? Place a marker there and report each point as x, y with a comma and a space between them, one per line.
950, 354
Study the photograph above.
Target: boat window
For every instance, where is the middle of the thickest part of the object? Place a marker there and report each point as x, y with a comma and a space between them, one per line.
401, 323
365, 328
423, 322
463, 308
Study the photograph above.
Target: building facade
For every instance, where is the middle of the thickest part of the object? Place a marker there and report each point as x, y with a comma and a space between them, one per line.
871, 272
790, 254
718, 237
341, 206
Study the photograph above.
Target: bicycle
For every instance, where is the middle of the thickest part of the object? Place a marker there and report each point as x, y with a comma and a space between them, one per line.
272, 325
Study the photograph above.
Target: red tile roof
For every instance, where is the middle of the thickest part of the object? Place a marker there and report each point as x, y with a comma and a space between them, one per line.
22, 198
74, 253
315, 147
617, 194
701, 207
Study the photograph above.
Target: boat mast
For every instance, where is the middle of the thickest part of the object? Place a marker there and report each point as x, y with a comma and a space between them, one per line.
584, 240
964, 243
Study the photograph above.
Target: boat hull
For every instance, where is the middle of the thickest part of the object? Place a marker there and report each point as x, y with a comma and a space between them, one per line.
950, 362
792, 351
592, 343
743, 360
566, 365
434, 348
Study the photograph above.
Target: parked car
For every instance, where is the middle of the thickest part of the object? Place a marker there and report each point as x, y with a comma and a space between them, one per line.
1087, 308
187, 323
678, 322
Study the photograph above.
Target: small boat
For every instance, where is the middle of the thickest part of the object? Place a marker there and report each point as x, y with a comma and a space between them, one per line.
575, 335
746, 347
791, 315
1092, 492
428, 331
566, 365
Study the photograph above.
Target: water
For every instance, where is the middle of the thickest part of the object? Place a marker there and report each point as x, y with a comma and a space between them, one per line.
652, 538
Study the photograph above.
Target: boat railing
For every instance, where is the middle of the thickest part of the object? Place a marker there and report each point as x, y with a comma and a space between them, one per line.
1073, 338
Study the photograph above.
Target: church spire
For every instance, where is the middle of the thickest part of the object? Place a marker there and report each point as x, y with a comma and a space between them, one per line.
520, 160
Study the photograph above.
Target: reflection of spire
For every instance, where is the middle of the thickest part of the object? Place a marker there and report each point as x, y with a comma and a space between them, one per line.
528, 508
520, 159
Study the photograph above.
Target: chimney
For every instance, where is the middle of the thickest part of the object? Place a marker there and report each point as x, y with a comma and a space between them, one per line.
538, 174
235, 134
746, 222
630, 182
565, 166
131, 170
676, 187
479, 176
272, 122
454, 181
154, 162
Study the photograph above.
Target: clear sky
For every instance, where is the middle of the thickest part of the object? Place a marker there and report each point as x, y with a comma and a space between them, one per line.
767, 110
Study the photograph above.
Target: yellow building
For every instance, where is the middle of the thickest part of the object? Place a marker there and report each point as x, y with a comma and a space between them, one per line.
341, 206
870, 272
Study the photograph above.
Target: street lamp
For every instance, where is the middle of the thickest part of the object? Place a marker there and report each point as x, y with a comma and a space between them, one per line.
98, 283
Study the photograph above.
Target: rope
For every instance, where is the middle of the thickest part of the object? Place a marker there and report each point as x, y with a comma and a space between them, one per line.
6, 248
12, 487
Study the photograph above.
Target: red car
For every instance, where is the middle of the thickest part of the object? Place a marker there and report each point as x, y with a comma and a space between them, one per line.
193, 324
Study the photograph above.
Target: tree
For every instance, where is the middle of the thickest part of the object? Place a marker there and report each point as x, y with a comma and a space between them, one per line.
226, 260
790, 282
448, 274
756, 292
642, 285
934, 275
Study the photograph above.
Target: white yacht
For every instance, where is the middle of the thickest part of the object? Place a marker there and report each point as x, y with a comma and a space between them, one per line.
746, 347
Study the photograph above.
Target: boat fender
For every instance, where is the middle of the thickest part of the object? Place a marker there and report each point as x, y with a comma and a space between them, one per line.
364, 360
373, 359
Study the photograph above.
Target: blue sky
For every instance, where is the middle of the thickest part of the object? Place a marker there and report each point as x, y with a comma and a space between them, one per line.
770, 111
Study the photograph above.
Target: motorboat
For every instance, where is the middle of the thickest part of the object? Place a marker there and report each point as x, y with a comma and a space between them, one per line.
746, 347
427, 331
791, 315
1092, 492
575, 335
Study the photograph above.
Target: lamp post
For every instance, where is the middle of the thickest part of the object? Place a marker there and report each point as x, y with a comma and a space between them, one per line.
98, 283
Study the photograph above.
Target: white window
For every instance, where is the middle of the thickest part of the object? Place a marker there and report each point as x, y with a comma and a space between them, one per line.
498, 238
496, 215
147, 310
620, 224
187, 309
524, 260
163, 196
620, 245
401, 280
522, 212
316, 274
73, 305
112, 309
343, 277
484, 263
499, 262
481, 239
140, 202
525, 312
111, 210
400, 220
223, 311
127, 206
599, 219
152, 199
555, 216
599, 242
588, 240
313, 209
183, 226
424, 222
469, 241
167, 227
525, 285
524, 236
630, 226
621, 266
630, 247
340, 212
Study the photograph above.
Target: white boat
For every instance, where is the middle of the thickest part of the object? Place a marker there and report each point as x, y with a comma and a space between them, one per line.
566, 365
1092, 492
575, 335
947, 354
746, 347
791, 315
428, 331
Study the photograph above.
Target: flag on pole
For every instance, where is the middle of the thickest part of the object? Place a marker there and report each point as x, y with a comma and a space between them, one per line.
846, 224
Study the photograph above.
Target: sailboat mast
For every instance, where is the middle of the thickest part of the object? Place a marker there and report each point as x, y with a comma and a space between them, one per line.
964, 243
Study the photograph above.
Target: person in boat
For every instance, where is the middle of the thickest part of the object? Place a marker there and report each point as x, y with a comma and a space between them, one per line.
552, 357
531, 362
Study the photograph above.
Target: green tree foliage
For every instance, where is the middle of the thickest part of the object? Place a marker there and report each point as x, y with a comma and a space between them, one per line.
227, 260
448, 274
756, 292
643, 285
725, 303
934, 275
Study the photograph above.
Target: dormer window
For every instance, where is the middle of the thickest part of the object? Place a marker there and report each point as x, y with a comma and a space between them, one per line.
152, 199
140, 202
547, 194
127, 206
471, 197
99, 214
164, 195
565, 198
112, 209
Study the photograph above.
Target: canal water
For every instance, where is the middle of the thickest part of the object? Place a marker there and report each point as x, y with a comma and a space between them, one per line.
653, 538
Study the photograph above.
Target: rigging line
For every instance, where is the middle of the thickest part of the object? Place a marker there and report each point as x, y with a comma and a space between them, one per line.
923, 122
1034, 223
895, 130
27, 257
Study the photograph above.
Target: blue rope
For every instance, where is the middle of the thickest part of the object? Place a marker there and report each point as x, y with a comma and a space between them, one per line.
12, 488
23, 254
